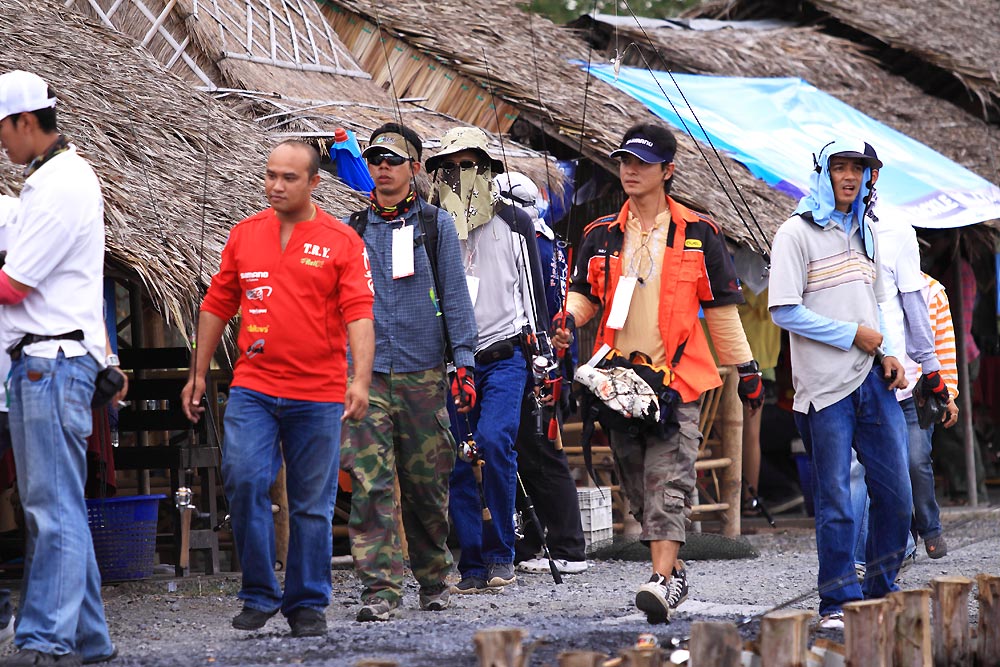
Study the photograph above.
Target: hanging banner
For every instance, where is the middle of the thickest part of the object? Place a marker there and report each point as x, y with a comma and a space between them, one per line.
773, 127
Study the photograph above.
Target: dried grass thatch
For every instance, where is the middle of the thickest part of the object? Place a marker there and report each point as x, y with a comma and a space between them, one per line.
147, 134
961, 37
281, 63
833, 65
525, 58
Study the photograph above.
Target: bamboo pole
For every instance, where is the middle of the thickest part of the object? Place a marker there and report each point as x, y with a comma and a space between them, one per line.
868, 633
784, 638
500, 647
988, 638
912, 628
581, 659
952, 641
732, 448
960, 313
716, 644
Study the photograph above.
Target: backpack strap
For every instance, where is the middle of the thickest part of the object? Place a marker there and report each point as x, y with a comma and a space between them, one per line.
359, 222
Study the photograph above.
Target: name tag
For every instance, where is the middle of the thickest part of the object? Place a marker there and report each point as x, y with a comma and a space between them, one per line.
621, 302
402, 251
473, 283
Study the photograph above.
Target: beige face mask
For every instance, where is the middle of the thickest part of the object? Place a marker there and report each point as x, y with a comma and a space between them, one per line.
465, 193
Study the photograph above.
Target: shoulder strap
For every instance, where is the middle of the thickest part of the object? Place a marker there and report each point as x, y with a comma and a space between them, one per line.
359, 222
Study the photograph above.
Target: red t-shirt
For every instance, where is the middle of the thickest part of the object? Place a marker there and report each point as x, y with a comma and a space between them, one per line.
295, 304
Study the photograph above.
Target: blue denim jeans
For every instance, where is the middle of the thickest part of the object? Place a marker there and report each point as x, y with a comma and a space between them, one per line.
859, 506
6, 610
870, 421
926, 513
494, 422
260, 429
61, 610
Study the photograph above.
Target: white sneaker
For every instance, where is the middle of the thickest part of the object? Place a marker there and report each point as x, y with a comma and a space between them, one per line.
7, 632
541, 566
834, 621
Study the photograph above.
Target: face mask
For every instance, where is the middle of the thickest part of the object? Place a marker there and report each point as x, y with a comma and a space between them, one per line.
465, 193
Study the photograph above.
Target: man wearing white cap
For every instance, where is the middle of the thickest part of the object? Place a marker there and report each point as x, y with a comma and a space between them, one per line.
52, 324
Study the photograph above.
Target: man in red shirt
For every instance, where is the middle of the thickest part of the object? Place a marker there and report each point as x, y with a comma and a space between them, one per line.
302, 284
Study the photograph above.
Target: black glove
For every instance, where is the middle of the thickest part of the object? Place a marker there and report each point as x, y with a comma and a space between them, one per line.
751, 388
564, 320
463, 387
934, 385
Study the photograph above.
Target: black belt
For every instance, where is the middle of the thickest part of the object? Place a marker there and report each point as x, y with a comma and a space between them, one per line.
30, 339
498, 351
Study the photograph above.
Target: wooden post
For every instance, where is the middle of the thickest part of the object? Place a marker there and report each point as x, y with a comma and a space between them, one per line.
376, 663
647, 656
184, 548
731, 477
912, 628
716, 644
988, 640
952, 641
500, 647
868, 633
784, 638
960, 312
581, 659
279, 498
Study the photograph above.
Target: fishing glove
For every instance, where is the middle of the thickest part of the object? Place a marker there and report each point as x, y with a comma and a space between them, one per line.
463, 387
751, 388
934, 385
564, 320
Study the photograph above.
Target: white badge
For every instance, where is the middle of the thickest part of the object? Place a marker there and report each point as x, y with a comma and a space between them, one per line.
473, 283
621, 302
402, 251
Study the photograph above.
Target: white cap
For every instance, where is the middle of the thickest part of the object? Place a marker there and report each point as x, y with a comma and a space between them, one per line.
22, 91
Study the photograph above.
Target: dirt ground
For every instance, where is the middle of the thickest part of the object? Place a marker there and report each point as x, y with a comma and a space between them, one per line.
168, 621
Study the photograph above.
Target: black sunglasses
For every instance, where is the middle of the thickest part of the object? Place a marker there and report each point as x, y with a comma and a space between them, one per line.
393, 159
464, 164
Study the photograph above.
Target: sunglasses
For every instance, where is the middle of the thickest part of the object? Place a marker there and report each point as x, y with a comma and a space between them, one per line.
393, 159
464, 164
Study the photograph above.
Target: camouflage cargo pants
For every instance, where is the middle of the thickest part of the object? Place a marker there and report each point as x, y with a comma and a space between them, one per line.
405, 435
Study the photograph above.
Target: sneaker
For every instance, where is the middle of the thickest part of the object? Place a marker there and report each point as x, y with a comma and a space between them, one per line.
252, 619
653, 597
376, 609
832, 621
32, 658
908, 560
435, 598
469, 585
678, 588
541, 566
936, 547
7, 632
500, 574
306, 622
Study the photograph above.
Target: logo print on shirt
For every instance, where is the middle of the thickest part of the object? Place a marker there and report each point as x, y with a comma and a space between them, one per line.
315, 250
368, 270
256, 347
259, 293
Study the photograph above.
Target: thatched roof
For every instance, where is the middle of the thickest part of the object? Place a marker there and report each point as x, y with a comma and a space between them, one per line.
836, 66
960, 38
160, 148
281, 63
525, 58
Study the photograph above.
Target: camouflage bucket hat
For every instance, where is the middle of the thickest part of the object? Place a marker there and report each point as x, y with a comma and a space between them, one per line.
462, 139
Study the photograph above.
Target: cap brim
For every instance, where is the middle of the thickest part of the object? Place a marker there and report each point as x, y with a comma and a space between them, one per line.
868, 160
385, 148
644, 155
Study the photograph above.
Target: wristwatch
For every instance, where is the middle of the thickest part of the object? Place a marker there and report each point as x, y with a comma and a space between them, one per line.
111, 360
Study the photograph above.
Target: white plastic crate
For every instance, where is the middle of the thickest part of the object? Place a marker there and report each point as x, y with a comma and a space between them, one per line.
590, 497
595, 539
595, 518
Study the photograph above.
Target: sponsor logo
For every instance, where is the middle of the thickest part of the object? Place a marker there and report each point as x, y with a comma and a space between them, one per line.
253, 275
256, 347
315, 250
257, 311
639, 140
259, 293
255, 328
316, 263
368, 270
692, 243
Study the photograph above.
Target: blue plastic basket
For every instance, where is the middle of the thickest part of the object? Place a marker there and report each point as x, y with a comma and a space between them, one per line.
124, 533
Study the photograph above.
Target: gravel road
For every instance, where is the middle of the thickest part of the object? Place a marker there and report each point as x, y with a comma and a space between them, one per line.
171, 622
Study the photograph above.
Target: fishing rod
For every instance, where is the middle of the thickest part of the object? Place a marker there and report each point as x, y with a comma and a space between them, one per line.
763, 247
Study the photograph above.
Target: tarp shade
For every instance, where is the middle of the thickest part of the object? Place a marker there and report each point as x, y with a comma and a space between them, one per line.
773, 127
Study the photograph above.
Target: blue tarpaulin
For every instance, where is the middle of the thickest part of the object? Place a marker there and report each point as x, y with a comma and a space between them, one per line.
351, 167
773, 127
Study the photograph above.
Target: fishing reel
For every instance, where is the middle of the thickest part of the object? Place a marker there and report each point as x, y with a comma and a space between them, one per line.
469, 451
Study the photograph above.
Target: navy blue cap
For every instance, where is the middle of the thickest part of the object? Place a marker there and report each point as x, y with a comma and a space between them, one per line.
645, 149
